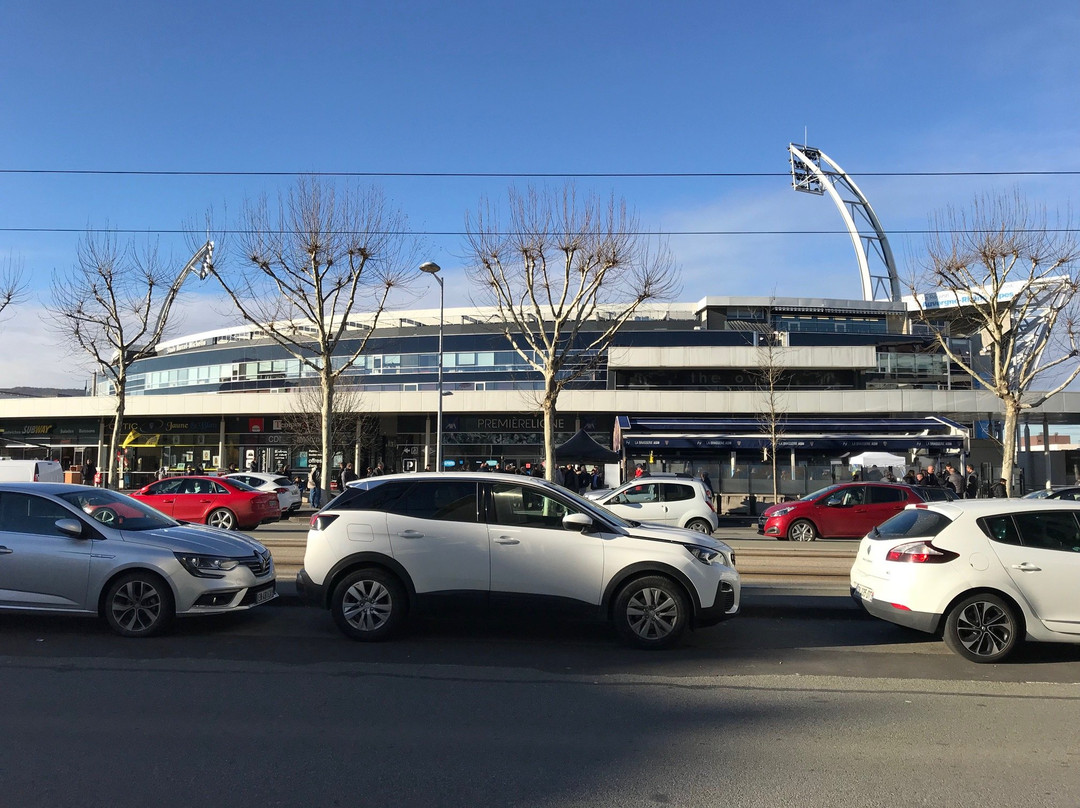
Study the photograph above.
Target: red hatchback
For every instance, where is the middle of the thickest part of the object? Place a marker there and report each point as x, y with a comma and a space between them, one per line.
215, 501
845, 511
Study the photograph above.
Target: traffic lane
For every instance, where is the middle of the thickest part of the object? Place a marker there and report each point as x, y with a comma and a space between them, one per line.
782, 644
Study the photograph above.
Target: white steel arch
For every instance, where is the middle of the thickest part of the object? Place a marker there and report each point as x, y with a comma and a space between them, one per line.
877, 267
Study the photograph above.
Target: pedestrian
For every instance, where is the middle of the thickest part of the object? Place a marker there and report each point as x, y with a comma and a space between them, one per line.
88, 472
597, 479
954, 480
889, 476
971, 486
909, 476
930, 478
347, 476
570, 479
378, 470
639, 470
315, 484
999, 489
162, 472
704, 477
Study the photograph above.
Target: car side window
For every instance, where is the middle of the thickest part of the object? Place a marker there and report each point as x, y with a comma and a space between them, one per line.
1071, 495
449, 500
1000, 529
189, 486
677, 492
379, 497
244, 479
639, 494
24, 513
846, 497
166, 486
881, 494
1053, 530
217, 488
523, 506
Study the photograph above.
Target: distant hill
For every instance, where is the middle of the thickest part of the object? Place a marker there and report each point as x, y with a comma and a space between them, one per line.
41, 392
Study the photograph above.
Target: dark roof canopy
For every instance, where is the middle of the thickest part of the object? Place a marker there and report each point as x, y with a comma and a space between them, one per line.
582, 448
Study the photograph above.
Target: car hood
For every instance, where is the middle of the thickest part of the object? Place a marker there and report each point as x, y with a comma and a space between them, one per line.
195, 539
645, 530
599, 493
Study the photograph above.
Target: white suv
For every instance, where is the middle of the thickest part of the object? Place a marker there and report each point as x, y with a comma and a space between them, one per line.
680, 501
407, 541
985, 574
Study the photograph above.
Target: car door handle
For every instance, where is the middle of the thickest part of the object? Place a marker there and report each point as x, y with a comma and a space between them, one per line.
6, 551
411, 534
1026, 567
506, 540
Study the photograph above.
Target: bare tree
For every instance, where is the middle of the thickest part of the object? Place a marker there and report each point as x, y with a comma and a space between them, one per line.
318, 274
999, 272
770, 377
112, 306
12, 283
565, 276
349, 425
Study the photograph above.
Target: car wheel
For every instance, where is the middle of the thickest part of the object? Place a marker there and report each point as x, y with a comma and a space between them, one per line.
651, 612
802, 530
222, 518
983, 628
369, 605
699, 526
139, 604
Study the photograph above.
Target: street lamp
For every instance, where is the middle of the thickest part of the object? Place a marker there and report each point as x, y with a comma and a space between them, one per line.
433, 269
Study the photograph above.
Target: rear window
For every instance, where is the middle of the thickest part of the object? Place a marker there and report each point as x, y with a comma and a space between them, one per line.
916, 523
375, 497
677, 493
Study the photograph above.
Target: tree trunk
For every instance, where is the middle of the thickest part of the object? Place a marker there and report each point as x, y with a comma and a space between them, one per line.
551, 396
113, 481
326, 380
1008, 442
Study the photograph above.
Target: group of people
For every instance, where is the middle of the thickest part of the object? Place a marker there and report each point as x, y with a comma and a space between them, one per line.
965, 486
578, 479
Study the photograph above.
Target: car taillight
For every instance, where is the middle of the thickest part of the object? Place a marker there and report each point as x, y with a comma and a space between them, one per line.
321, 521
920, 552
281, 490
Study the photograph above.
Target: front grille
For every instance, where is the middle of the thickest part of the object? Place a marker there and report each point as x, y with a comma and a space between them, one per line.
761, 520
258, 564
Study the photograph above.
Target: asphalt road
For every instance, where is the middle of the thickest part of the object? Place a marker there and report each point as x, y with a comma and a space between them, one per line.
783, 705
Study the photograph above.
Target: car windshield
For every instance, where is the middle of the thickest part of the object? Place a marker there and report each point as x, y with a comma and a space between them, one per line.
117, 510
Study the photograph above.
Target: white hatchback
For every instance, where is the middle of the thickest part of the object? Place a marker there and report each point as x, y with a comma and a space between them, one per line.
406, 541
985, 574
288, 492
679, 501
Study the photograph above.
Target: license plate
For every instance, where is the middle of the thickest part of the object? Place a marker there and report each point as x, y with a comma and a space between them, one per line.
264, 595
865, 592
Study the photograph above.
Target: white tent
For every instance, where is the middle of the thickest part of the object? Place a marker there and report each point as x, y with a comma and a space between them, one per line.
880, 459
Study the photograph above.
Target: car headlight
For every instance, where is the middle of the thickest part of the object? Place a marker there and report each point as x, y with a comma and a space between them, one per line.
706, 555
781, 512
206, 566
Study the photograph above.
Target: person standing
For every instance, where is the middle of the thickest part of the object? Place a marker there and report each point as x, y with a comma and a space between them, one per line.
954, 480
704, 477
929, 478
999, 489
88, 472
971, 486
347, 476
315, 484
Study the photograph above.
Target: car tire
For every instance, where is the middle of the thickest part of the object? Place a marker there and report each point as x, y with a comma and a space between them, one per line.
651, 612
983, 628
222, 518
139, 604
369, 605
802, 530
699, 526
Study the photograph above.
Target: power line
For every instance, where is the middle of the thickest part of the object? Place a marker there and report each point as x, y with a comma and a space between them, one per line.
517, 174
173, 231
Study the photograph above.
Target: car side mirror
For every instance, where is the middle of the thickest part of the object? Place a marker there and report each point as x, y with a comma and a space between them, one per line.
577, 521
70, 527
833, 502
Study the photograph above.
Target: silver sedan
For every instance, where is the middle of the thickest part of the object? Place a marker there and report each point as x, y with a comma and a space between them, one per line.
81, 550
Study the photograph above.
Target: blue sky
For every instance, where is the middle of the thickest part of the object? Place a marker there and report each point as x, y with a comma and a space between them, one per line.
524, 87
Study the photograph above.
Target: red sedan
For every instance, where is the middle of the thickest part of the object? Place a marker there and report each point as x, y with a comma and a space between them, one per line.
216, 501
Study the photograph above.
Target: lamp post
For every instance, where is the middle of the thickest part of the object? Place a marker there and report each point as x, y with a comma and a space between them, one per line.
433, 269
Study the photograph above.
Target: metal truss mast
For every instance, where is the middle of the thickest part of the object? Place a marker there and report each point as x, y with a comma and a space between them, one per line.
814, 173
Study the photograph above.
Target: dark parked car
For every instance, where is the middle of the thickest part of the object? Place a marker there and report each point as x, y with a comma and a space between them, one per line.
1060, 492
844, 511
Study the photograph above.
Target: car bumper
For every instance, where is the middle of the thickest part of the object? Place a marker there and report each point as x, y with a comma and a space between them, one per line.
920, 621
310, 592
725, 605
222, 600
